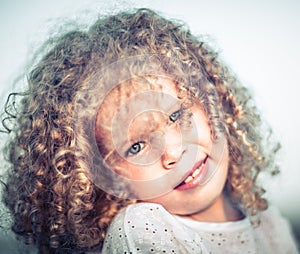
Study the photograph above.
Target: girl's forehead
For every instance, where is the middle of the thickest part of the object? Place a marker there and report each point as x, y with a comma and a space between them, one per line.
150, 83
158, 92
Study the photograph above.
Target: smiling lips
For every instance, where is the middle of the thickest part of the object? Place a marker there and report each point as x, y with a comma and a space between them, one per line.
195, 177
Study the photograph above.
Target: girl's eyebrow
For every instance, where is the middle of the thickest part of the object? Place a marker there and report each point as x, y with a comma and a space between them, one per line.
175, 106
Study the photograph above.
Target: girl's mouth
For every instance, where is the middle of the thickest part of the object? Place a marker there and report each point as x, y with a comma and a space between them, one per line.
198, 173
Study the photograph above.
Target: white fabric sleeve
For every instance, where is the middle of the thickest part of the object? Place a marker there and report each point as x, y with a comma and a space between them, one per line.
275, 234
148, 228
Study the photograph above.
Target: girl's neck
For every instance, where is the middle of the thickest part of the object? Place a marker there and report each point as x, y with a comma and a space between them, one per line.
221, 210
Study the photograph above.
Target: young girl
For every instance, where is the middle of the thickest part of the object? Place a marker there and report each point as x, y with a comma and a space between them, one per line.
133, 137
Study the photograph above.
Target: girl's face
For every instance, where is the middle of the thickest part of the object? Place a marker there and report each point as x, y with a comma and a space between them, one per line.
165, 148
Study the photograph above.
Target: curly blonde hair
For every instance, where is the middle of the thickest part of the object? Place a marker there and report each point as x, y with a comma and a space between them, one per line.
53, 202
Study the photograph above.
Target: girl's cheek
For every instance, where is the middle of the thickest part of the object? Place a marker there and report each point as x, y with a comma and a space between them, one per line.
133, 172
199, 131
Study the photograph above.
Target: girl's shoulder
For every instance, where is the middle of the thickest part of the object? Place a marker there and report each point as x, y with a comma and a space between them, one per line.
274, 232
148, 228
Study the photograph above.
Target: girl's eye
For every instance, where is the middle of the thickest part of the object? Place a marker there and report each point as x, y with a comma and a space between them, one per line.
135, 148
175, 115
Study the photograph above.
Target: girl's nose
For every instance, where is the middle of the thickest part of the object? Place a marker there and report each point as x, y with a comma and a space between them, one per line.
173, 149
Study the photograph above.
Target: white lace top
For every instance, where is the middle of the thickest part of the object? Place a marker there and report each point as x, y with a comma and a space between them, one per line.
149, 228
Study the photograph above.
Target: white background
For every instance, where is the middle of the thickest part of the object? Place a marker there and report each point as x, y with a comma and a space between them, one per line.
259, 39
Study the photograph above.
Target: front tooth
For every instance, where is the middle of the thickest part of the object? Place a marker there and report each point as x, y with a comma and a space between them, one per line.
201, 167
190, 178
196, 172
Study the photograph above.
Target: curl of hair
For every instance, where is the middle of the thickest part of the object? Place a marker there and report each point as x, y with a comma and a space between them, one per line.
53, 202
